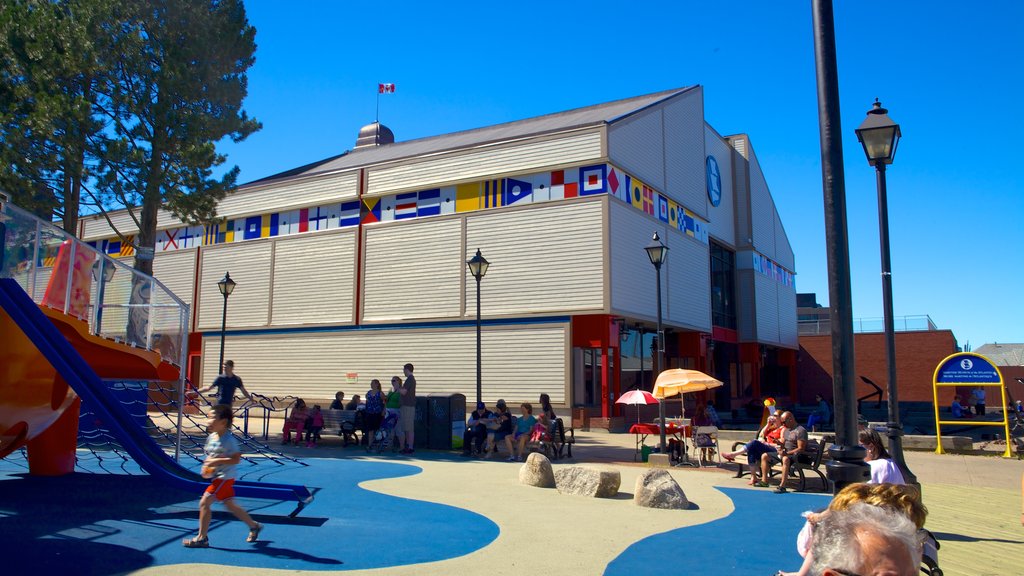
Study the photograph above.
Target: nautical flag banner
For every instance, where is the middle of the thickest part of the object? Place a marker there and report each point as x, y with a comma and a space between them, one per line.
269, 225
688, 223
467, 197
636, 193
252, 228
429, 203
448, 200
492, 193
386, 88
648, 200
387, 209
662, 208
288, 223
349, 214
210, 234
318, 218
371, 210
615, 185
673, 214
592, 180
167, 240
405, 206
518, 191
557, 185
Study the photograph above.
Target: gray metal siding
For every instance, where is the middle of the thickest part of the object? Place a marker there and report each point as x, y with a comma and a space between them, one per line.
632, 275
177, 271
314, 279
741, 193
722, 218
413, 270
685, 180
762, 212
308, 191
688, 288
466, 165
518, 362
249, 265
636, 144
543, 259
787, 317
766, 294
783, 251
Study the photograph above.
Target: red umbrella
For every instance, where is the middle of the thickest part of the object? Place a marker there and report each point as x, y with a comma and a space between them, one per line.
637, 397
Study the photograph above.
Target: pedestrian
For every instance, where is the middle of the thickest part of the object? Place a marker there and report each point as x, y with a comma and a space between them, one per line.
408, 410
979, 401
339, 401
394, 406
222, 455
226, 384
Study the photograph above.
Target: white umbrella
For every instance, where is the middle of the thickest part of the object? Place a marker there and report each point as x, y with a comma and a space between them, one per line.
680, 381
637, 397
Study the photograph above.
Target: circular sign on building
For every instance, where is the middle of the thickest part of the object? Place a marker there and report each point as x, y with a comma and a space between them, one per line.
714, 178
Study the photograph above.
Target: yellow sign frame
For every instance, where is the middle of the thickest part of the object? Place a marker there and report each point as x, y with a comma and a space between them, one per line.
1005, 423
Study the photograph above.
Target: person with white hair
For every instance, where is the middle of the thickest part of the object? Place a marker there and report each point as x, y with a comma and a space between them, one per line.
866, 540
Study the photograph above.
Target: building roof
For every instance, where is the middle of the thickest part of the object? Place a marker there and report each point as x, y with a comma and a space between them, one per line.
577, 118
1002, 354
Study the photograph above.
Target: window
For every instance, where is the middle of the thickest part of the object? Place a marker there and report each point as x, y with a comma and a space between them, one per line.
723, 286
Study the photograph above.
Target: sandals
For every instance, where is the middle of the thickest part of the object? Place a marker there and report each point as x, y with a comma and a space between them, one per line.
196, 542
760, 484
254, 533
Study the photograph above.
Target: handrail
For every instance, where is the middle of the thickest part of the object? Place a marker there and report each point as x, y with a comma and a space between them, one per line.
877, 392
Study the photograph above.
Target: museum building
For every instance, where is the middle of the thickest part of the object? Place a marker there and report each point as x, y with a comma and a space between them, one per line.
349, 267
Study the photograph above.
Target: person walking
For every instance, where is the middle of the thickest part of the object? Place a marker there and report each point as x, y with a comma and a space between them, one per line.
408, 409
226, 384
222, 455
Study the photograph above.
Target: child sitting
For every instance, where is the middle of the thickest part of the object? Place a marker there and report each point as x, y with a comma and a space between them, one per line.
296, 421
314, 424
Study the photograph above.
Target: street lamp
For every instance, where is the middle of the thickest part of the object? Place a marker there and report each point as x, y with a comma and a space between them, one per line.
657, 252
478, 267
226, 287
102, 273
880, 135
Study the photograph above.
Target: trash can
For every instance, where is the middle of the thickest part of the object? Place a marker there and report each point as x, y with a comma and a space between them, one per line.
422, 424
447, 421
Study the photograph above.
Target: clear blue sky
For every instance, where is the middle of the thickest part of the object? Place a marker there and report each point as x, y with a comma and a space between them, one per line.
949, 73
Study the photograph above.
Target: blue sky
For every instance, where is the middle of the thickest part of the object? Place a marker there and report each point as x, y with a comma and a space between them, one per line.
949, 73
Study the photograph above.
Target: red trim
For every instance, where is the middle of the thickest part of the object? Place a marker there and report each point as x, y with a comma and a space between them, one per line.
720, 334
357, 300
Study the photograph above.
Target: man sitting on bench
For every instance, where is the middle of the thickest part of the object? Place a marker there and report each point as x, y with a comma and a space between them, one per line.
794, 446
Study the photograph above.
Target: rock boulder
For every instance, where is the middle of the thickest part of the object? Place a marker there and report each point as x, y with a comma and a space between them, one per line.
657, 488
537, 472
590, 482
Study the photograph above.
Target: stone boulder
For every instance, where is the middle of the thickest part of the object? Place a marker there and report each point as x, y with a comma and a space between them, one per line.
537, 472
588, 482
657, 488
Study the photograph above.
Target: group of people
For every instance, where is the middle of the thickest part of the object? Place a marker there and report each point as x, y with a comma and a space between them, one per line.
485, 429
963, 409
782, 441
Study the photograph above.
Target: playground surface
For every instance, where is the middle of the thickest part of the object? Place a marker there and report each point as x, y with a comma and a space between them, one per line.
436, 513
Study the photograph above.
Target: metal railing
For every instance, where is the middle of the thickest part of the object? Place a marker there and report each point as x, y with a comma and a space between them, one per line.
119, 303
869, 325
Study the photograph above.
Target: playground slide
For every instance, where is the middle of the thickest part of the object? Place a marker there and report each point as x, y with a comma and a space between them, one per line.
60, 348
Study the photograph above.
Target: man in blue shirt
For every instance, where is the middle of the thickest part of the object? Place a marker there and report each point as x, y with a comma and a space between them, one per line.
226, 385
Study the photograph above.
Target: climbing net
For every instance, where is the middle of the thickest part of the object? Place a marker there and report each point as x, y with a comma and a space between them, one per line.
154, 407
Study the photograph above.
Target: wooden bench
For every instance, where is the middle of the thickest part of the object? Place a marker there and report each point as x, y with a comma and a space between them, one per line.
798, 470
344, 423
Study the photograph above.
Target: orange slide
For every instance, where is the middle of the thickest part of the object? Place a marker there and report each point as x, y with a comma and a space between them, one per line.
37, 407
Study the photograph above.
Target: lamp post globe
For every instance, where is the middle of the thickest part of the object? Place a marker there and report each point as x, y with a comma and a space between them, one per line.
226, 286
657, 251
478, 268
880, 136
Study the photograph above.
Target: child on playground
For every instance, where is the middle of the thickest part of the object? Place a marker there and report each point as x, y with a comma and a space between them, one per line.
296, 421
222, 455
314, 425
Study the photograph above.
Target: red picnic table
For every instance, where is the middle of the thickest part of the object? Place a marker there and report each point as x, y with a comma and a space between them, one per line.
642, 430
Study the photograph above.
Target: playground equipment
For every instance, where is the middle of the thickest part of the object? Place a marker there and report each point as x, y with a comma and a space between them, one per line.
76, 340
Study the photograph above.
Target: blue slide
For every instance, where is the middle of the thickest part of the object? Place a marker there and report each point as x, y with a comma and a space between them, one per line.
80, 376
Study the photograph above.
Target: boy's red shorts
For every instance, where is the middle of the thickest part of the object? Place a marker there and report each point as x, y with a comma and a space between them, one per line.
222, 489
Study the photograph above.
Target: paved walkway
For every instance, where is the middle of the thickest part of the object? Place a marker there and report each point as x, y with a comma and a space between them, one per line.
974, 504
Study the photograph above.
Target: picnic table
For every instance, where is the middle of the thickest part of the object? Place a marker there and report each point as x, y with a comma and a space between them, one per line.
678, 431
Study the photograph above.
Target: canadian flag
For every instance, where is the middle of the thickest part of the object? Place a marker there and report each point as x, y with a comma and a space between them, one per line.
385, 88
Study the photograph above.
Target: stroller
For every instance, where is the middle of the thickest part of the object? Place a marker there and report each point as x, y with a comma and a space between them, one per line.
383, 437
930, 554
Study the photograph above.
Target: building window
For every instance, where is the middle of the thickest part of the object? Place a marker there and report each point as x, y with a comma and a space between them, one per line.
723, 286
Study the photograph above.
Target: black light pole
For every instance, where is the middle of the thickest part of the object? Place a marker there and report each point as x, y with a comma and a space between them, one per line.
226, 287
478, 267
847, 464
657, 252
880, 135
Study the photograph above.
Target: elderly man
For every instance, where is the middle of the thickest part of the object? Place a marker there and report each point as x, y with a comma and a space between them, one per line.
865, 540
793, 445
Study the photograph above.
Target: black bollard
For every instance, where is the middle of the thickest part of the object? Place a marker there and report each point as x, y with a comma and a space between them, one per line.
847, 466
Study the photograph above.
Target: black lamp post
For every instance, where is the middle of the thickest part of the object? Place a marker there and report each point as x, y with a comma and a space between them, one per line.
880, 135
226, 287
657, 252
102, 273
478, 267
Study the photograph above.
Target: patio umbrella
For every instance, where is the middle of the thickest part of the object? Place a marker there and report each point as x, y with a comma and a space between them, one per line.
637, 397
680, 381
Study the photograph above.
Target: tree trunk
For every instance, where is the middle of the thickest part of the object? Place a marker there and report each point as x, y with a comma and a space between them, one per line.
138, 330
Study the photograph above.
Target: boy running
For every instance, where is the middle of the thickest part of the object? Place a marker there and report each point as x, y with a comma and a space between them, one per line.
222, 454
